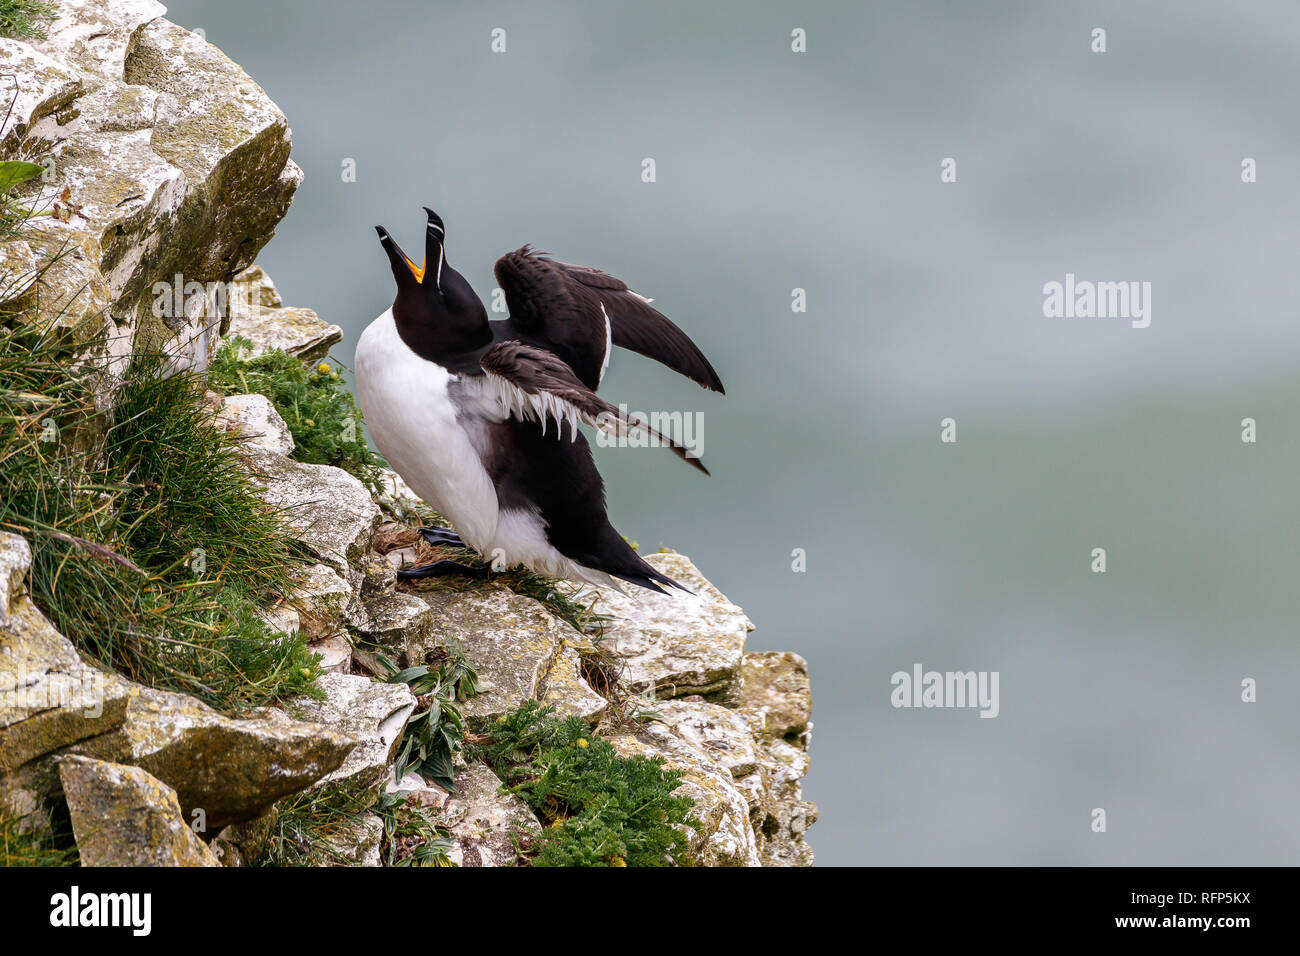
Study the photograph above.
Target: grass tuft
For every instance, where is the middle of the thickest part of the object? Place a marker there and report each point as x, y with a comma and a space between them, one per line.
311, 826
19, 846
151, 550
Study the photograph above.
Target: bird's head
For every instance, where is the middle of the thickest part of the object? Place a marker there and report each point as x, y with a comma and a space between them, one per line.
435, 309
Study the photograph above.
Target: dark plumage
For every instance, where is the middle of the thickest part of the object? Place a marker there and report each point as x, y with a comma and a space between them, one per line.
540, 373
559, 307
462, 407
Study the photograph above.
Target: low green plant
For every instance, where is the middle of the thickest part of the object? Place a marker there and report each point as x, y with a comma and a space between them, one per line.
410, 837
15, 216
314, 402
433, 735
25, 19
315, 828
312, 828
598, 808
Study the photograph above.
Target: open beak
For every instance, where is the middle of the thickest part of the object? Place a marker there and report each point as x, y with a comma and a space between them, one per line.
403, 268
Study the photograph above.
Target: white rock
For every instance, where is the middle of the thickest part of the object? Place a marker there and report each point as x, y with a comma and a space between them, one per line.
402, 558
165, 159
15, 560
335, 653
727, 838
321, 599
282, 619
397, 496
258, 314
566, 689
483, 822
371, 712
47, 85
326, 507
511, 640
719, 733
124, 816
396, 622
676, 644
255, 419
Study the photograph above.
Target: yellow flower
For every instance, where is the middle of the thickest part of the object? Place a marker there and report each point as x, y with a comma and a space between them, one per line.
617, 861
324, 368
308, 423
582, 742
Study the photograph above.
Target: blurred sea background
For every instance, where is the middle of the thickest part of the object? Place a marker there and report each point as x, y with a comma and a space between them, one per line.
820, 171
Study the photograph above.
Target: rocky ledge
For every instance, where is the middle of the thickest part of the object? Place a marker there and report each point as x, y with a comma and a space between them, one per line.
167, 160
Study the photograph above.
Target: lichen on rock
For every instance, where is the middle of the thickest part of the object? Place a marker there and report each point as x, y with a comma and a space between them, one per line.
169, 160
674, 644
124, 816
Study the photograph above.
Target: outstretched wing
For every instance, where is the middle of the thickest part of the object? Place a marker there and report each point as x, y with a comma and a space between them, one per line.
532, 384
581, 310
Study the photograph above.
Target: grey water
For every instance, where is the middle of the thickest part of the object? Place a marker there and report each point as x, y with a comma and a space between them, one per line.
821, 171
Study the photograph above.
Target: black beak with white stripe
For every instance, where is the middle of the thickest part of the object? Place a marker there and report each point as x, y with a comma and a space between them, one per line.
436, 311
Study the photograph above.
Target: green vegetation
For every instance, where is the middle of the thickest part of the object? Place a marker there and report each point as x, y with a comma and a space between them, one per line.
436, 732
51, 846
314, 402
13, 214
599, 809
410, 837
313, 827
25, 19
316, 827
151, 550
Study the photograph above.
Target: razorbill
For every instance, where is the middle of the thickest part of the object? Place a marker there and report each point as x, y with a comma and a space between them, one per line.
463, 408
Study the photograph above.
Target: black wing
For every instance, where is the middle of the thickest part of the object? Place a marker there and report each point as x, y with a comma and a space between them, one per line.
536, 385
565, 308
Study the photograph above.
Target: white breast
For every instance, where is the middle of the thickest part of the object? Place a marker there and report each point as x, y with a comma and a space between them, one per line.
414, 423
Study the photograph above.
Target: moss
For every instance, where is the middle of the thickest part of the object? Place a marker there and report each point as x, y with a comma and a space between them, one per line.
313, 400
597, 807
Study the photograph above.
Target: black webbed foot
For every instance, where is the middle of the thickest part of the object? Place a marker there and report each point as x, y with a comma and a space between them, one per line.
444, 568
442, 537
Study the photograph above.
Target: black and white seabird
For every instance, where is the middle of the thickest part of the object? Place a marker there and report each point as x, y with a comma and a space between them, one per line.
462, 407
